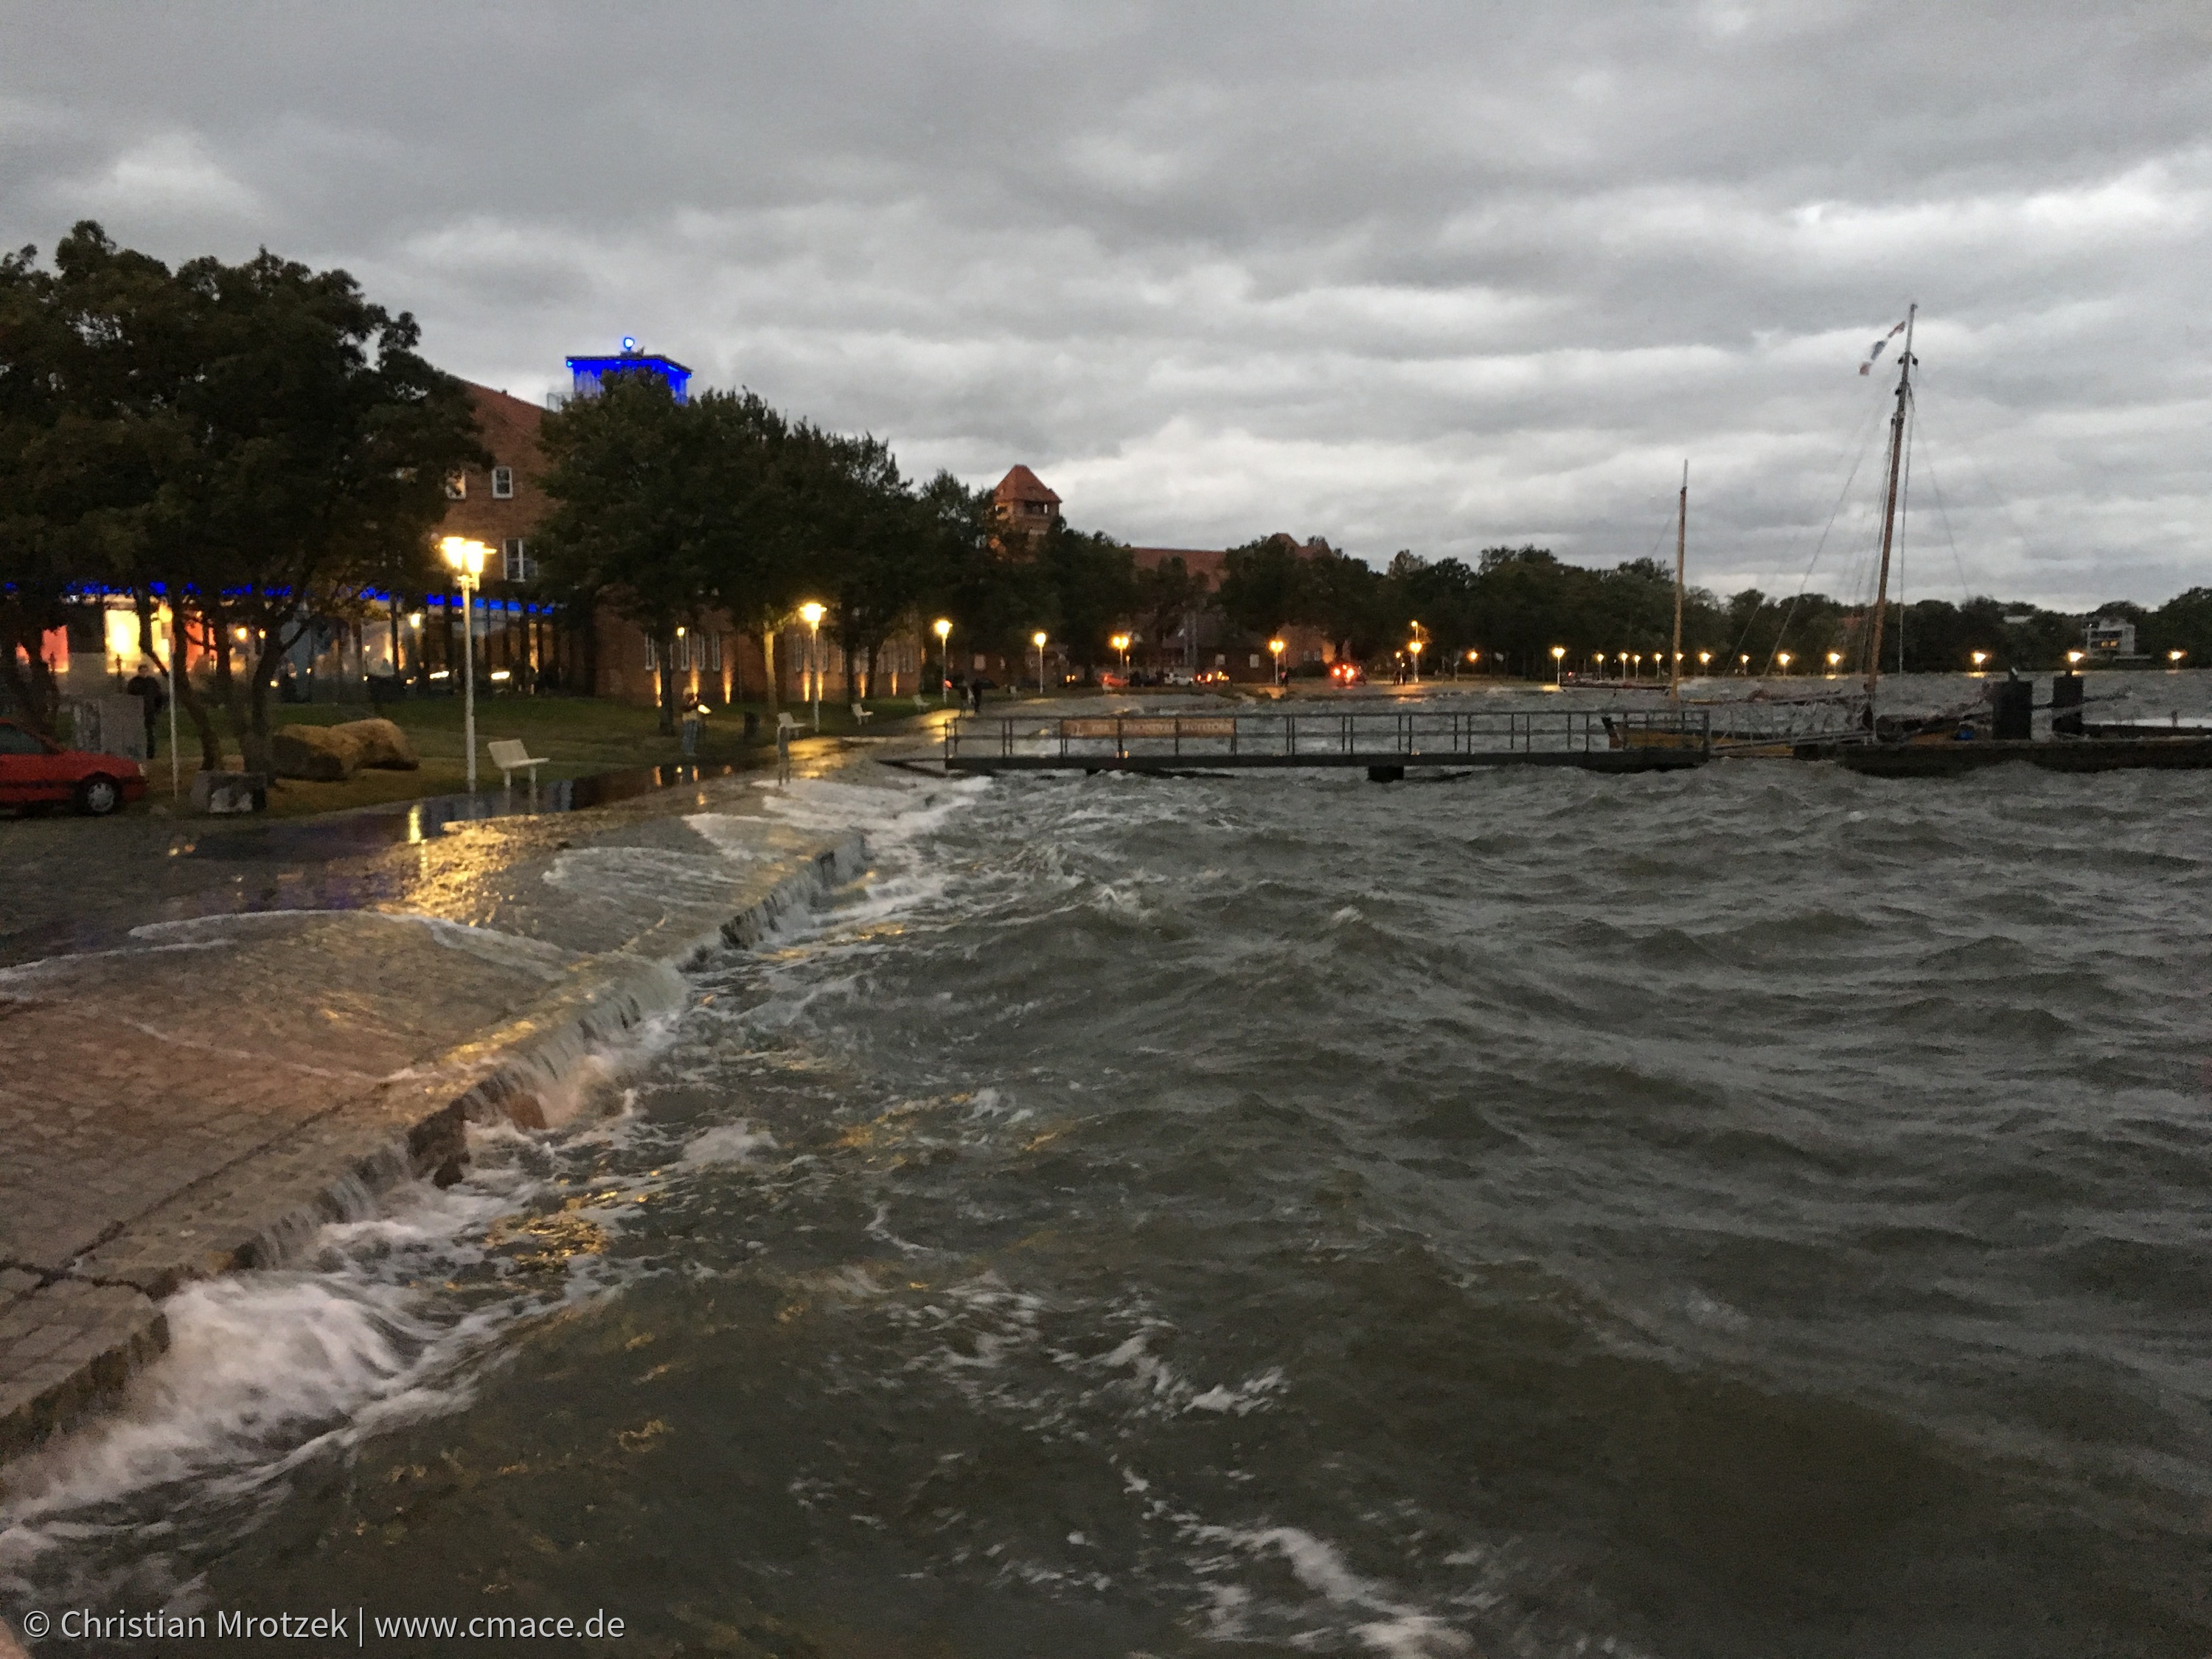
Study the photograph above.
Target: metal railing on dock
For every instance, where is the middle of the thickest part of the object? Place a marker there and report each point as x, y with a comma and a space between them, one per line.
1632, 739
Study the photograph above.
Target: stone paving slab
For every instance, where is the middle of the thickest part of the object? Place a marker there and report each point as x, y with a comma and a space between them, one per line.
199, 1097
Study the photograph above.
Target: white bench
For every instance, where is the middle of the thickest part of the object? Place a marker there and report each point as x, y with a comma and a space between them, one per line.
861, 716
510, 756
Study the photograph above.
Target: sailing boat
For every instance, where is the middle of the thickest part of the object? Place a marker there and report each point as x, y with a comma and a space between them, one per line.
1810, 728
1900, 728
1761, 727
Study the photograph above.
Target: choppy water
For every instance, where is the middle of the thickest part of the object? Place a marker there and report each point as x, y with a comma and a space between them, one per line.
1752, 1211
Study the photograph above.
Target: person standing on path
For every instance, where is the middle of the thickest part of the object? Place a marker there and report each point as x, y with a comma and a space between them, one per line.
785, 725
146, 686
695, 722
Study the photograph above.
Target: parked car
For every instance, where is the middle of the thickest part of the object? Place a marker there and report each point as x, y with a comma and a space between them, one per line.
36, 772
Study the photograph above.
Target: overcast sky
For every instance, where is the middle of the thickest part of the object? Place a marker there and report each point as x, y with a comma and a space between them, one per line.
1436, 276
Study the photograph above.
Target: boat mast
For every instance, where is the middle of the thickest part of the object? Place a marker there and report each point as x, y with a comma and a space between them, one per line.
1682, 538
1889, 510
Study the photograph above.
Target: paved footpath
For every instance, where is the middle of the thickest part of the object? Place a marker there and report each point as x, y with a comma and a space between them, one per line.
212, 1039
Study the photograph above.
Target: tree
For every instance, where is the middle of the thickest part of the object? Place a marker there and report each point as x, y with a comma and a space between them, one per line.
313, 442
1263, 587
754, 564
1167, 598
1092, 580
83, 439
2183, 623
633, 524
863, 542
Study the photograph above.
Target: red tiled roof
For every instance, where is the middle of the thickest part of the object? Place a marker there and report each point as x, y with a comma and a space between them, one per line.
1023, 485
1209, 562
1204, 563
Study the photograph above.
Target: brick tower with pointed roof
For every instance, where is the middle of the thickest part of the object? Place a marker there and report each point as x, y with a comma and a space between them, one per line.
1023, 510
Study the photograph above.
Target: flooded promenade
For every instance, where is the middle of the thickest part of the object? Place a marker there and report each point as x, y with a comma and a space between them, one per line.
221, 1036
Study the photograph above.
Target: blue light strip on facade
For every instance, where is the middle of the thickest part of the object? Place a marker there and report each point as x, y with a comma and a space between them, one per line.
586, 374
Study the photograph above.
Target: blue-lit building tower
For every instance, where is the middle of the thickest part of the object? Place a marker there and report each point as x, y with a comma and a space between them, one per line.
587, 374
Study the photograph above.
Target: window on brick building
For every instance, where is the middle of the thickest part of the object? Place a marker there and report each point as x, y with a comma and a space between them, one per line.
515, 563
457, 486
502, 483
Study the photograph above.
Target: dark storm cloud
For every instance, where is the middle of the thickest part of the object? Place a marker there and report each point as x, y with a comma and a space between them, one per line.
1400, 275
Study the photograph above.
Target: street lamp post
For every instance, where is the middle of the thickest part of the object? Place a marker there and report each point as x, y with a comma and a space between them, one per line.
1121, 643
1037, 640
943, 629
1275, 648
467, 558
1782, 657
811, 613
1559, 665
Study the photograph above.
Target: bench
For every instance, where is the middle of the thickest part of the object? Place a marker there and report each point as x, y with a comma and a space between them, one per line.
510, 756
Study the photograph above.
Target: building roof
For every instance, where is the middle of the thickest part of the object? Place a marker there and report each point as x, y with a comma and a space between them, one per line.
1211, 564
1021, 484
1205, 563
508, 425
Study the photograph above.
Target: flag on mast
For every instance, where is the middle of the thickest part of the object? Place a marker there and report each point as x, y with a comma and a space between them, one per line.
1866, 366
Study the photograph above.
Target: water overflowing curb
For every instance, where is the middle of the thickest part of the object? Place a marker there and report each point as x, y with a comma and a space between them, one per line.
70, 1340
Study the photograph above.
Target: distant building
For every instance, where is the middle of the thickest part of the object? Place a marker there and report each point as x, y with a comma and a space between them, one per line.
1024, 508
1207, 643
1023, 511
2110, 639
587, 375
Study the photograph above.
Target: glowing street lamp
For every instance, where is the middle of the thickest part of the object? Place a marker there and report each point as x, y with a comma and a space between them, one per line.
1704, 658
2175, 657
1782, 657
1639, 665
1559, 664
811, 613
1980, 657
943, 629
1414, 647
1743, 662
2073, 658
1121, 643
1834, 657
467, 558
1275, 648
1037, 640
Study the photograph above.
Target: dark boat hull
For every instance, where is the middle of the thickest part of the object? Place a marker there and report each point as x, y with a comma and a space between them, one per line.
1949, 760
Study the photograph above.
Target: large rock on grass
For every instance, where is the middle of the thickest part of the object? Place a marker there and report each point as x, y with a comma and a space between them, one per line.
319, 754
331, 754
382, 744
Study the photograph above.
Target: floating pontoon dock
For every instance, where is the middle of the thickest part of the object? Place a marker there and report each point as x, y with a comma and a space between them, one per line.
1386, 743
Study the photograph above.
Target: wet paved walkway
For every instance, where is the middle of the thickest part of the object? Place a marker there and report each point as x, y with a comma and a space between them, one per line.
213, 1033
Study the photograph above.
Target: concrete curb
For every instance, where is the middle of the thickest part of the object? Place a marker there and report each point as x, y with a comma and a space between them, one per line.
70, 1342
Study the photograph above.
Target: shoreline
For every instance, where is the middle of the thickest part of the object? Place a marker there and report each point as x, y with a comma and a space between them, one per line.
275, 1103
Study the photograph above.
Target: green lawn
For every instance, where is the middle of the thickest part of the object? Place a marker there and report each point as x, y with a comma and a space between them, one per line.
577, 736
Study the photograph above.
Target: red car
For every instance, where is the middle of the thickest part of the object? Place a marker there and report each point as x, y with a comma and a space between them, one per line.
33, 772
